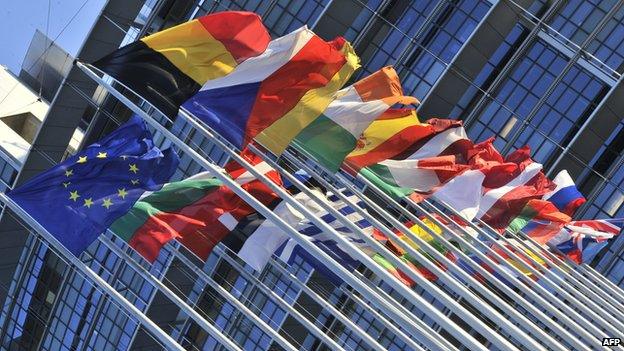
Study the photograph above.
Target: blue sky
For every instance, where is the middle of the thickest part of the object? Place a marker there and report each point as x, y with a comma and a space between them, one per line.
20, 18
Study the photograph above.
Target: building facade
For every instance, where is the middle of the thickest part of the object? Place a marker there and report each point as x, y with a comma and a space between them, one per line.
542, 73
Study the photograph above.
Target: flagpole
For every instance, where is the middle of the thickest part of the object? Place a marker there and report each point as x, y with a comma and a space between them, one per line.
606, 318
606, 301
571, 275
427, 285
343, 273
278, 299
553, 299
194, 315
596, 277
448, 280
156, 331
605, 325
371, 203
526, 304
344, 319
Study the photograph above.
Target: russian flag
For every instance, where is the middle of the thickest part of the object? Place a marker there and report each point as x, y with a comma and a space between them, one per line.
294, 79
566, 197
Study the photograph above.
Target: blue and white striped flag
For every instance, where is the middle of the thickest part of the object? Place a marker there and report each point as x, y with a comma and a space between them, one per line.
263, 238
290, 249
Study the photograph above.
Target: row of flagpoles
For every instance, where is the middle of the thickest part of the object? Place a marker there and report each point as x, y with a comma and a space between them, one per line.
509, 289
492, 279
495, 281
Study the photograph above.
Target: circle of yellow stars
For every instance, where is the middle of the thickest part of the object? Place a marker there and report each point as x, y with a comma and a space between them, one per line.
108, 201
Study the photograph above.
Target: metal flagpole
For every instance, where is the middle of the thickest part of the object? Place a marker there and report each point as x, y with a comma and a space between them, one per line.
387, 323
200, 320
560, 304
594, 280
276, 298
346, 183
606, 319
526, 304
524, 287
571, 275
344, 319
342, 272
554, 300
447, 279
370, 264
597, 278
544, 277
158, 333
373, 297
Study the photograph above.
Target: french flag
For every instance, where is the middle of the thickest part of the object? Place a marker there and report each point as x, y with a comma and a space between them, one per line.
566, 197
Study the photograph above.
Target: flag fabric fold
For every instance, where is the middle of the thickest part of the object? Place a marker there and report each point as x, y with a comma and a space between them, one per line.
189, 211
263, 238
168, 67
199, 211
273, 96
540, 220
334, 133
399, 135
582, 240
79, 198
566, 197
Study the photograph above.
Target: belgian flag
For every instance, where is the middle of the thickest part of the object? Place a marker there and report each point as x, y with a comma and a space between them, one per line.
168, 67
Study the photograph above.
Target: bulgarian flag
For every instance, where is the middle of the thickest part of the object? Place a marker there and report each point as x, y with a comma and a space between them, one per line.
334, 134
199, 211
187, 211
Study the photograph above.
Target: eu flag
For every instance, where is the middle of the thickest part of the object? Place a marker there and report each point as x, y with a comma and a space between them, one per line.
79, 198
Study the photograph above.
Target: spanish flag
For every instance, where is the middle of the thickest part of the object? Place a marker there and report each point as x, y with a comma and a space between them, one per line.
168, 67
334, 133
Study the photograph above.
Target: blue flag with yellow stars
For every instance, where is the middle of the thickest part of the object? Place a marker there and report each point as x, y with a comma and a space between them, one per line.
79, 198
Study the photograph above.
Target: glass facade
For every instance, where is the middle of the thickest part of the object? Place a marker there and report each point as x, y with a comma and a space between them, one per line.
545, 83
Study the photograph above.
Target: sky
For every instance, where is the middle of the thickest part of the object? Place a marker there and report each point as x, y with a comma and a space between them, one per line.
20, 18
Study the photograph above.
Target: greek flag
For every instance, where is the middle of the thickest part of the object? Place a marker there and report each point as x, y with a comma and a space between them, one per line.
289, 250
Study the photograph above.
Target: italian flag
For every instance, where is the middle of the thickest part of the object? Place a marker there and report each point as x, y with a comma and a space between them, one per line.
335, 132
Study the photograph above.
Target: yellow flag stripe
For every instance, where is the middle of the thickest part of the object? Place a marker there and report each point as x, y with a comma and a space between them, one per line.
383, 129
193, 50
279, 134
